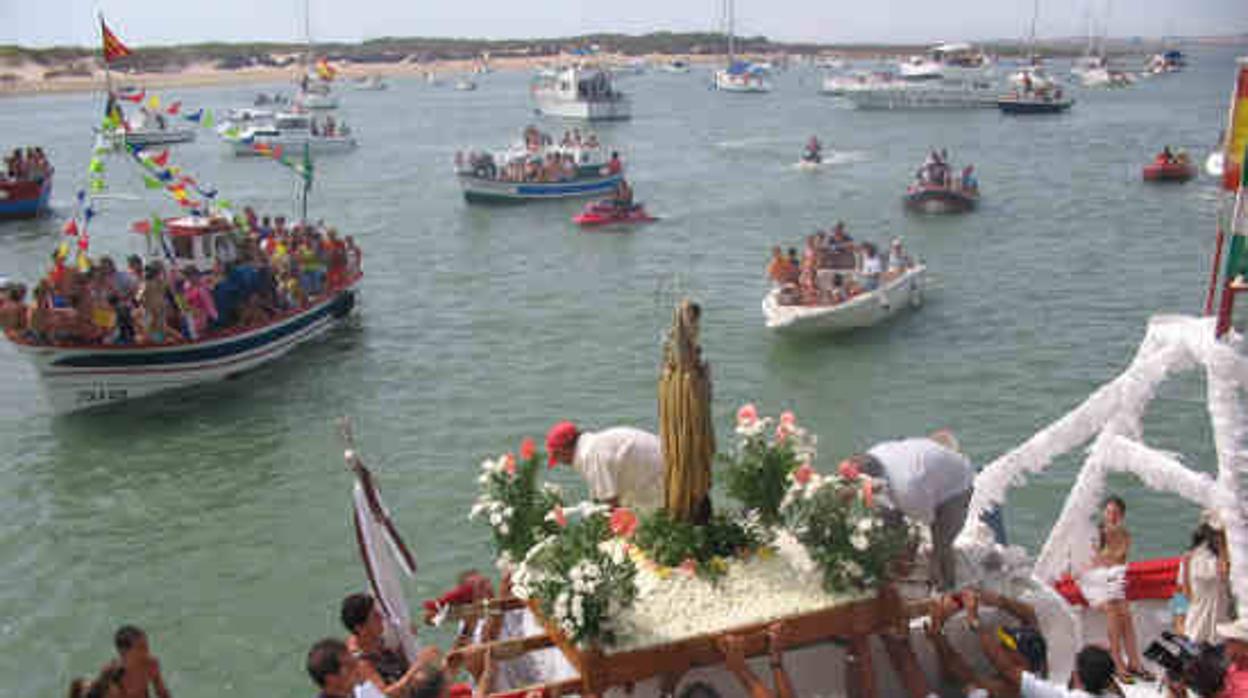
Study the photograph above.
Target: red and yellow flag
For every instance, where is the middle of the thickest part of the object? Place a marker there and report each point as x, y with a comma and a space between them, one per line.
1236, 131
113, 48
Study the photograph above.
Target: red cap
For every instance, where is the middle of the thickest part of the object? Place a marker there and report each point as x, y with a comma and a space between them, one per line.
560, 436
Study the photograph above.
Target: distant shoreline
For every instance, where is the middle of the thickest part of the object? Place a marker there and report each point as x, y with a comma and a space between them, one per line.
30, 71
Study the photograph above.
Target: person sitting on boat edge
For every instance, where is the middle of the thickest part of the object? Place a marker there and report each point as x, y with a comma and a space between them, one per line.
614, 166
622, 466
779, 270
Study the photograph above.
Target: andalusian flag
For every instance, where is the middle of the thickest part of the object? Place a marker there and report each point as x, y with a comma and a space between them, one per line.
1236, 131
113, 48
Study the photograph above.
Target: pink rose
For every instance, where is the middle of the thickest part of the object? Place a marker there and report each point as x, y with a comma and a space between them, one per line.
747, 415
848, 470
689, 566
528, 449
788, 419
803, 474
560, 518
509, 464
623, 522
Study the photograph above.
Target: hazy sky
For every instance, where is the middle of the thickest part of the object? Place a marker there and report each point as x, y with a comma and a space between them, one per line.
46, 22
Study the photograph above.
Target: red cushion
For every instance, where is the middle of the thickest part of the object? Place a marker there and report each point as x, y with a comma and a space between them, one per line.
1146, 579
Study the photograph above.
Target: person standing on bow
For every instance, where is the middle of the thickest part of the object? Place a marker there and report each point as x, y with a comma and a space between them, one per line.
622, 466
929, 481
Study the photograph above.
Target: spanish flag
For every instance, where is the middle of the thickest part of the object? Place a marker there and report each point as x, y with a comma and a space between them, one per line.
324, 70
1236, 130
113, 48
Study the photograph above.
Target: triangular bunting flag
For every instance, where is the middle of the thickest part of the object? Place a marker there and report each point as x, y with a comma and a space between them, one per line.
174, 108
113, 48
151, 182
208, 119
161, 159
194, 118
154, 102
71, 227
135, 97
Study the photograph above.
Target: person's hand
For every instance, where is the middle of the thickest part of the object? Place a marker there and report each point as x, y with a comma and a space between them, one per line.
970, 602
937, 615
733, 649
428, 656
779, 636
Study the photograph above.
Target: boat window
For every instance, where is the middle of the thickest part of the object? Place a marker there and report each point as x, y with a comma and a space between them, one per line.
183, 246
205, 247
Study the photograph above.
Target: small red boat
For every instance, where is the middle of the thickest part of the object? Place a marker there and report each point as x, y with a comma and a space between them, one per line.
1177, 170
25, 198
601, 213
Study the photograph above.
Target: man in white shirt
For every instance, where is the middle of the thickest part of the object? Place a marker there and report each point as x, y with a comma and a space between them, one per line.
622, 466
930, 482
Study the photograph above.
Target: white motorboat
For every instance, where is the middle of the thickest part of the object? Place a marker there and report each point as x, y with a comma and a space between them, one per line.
372, 83
465, 84
863, 310
677, 66
880, 93
575, 92
146, 127
292, 132
954, 61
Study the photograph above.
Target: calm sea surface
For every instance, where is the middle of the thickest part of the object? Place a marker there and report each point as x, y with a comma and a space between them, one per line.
218, 518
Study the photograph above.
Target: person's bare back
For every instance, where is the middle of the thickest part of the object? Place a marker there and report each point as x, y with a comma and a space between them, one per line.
140, 668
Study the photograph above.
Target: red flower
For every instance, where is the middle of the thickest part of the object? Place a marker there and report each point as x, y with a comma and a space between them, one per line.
802, 474
747, 415
509, 464
623, 522
528, 449
788, 420
848, 470
560, 518
689, 566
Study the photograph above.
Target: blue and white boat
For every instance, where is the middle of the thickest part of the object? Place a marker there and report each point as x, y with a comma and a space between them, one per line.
521, 173
81, 376
25, 198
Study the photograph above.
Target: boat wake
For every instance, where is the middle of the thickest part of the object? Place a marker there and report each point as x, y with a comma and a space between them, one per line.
831, 158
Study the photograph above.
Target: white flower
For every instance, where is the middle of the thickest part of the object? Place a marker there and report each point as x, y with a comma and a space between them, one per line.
476, 510
483, 479
859, 541
508, 512
496, 519
865, 524
851, 568
504, 529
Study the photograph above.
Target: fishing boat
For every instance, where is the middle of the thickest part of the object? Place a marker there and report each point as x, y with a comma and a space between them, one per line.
80, 376
901, 292
525, 171
604, 213
576, 92
1179, 168
25, 196
676, 66
291, 131
739, 76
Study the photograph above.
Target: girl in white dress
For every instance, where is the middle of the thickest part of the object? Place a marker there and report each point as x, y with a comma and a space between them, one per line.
1206, 571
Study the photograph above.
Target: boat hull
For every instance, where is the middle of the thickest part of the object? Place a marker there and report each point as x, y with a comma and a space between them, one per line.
1011, 105
919, 97
24, 199
940, 200
316, 146
865, 310
145, 139
598, 110
84, 377
479, 190
1168, 172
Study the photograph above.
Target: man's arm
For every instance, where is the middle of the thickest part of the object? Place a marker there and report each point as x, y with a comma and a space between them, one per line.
1023, 612
158, 680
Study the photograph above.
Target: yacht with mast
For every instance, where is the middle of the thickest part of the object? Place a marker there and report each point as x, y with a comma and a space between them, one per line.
314, 85
740, 75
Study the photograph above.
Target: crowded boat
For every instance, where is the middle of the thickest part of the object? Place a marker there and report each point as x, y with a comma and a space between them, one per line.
937, 189
27, 183
830, 286
540, 167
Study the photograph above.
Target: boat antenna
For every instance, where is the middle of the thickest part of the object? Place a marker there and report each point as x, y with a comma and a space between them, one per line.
731, 32
1031, 43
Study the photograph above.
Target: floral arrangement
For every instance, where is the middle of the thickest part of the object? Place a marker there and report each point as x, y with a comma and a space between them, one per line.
757, 473
582, 578
665, 543
849, 539
513, 503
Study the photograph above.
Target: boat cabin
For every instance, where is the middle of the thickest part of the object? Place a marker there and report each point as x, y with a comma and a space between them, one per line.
191, 241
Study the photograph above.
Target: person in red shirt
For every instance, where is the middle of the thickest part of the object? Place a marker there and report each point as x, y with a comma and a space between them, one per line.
614, 166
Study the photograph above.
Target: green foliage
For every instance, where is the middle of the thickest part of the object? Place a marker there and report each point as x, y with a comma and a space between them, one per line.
514, 505
757, 473
670, 543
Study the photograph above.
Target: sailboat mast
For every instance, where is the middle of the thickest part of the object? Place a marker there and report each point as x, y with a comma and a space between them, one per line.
1031, 41
307, 35
732, 50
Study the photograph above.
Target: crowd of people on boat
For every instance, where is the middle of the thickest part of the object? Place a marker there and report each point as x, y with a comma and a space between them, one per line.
937, 171
263, 269
541, 160
26, 165
328, 128
833, 268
